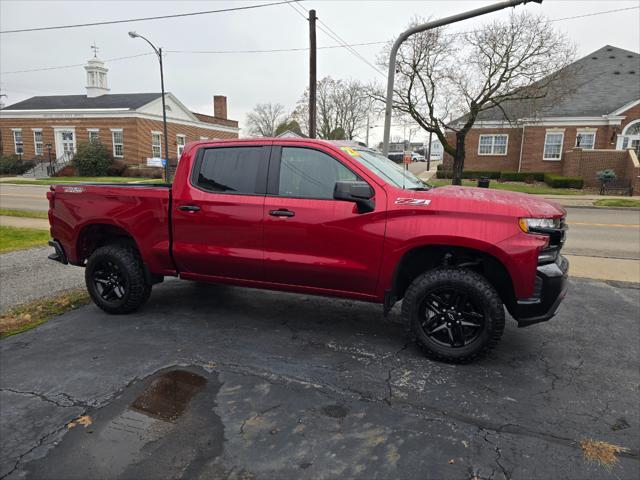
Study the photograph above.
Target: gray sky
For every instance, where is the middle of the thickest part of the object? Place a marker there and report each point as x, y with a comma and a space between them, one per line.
245, 78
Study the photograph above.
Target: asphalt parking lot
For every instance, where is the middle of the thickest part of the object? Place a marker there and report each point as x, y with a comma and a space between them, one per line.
212, 381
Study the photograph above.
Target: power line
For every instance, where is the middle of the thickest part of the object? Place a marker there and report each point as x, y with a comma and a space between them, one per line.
334, 36
143, 19
77, 64
277, 50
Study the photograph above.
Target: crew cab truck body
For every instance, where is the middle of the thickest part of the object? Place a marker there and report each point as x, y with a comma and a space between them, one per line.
324, 218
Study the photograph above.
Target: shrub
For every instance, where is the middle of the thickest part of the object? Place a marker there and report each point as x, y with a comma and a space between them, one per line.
12, 165
468, 174
67, 171
521, 176
558, 181
92, 159
117, 168
606, 176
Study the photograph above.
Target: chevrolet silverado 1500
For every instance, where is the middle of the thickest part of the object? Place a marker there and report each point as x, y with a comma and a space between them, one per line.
324, 218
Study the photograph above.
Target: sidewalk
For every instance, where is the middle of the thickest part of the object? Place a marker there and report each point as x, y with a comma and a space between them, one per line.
24, 222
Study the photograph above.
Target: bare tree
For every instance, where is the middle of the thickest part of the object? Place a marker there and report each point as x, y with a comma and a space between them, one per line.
445, 82
341, 105
264, 119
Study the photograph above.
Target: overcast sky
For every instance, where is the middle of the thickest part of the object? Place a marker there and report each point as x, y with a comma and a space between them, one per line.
245, 78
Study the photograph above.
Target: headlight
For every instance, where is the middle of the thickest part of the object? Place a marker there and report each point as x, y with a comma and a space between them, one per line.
528, 225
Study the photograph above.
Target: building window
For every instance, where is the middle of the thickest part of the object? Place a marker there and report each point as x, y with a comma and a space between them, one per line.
117, 139
586, 140
156, 145
181, 140
553, 146
17, 141
493, 144
94, 135
37, 141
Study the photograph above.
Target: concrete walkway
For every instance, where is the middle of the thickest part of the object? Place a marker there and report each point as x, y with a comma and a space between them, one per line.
24, 222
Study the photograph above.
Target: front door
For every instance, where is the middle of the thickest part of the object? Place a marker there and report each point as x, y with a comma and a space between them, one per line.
217, 214
65, 142
312, 240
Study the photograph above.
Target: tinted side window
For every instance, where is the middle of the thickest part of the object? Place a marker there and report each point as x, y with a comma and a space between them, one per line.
307, 173
230, 170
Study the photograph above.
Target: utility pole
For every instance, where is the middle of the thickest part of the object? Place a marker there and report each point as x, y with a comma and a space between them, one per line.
312, 74
422, 28
429, 157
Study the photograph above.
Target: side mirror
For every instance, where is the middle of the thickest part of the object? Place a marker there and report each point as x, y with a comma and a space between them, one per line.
358, 192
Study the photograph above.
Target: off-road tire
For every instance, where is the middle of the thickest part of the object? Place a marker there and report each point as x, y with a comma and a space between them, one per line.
479, 289
130, 264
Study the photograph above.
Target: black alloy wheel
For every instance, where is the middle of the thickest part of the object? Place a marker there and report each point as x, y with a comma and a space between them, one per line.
450, 317
109, 281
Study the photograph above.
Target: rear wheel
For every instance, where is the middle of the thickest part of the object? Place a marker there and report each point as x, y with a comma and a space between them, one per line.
455, 314
116, 280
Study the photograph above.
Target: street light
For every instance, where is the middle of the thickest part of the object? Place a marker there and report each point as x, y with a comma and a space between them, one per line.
164, 110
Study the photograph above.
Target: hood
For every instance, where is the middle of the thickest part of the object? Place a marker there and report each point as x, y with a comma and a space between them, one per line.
485, 200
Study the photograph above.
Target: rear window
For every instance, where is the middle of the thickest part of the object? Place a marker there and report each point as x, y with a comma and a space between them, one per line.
229, 170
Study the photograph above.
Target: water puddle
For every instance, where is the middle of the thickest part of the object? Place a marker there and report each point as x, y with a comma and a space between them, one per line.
168, 395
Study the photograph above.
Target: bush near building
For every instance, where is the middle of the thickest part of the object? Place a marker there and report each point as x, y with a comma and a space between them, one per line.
92, 159
558, 181
12, 165
552, 179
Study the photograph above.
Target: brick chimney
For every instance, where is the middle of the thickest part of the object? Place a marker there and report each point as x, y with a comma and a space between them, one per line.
220, 106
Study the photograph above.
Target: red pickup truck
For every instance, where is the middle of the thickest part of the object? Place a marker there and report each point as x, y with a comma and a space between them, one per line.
326, 218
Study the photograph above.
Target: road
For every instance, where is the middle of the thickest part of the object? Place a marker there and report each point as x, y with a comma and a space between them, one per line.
603, 233
211, 381
24, 197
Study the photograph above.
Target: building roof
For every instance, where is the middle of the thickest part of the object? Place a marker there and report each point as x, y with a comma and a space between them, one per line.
131, 101
603, 81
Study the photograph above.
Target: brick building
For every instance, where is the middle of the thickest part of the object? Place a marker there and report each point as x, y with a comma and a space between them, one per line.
129, 124
599, 121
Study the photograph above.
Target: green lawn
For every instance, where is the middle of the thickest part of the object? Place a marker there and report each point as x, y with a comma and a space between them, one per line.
617, 202
536, 189
23, 213
62, 180
14, 238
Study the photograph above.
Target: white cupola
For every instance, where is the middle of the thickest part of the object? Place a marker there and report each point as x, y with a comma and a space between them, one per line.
96, 76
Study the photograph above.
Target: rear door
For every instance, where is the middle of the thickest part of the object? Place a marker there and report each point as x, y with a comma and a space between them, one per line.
218, 214
312, 240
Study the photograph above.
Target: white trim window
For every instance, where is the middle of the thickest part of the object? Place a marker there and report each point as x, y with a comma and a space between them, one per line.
181, 141
493, 144
586, 140
156, 145
553, 145
18, 144
94, 134
117, 138
37, 141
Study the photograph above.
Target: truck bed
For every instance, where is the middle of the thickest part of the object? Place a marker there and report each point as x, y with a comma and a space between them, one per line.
87, 212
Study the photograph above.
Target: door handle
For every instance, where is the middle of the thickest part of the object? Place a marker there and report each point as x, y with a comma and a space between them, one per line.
283, 212
189, 208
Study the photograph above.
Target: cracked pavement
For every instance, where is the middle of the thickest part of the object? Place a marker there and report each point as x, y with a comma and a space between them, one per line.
300, 386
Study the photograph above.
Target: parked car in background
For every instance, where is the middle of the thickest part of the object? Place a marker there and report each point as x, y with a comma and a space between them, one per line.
416, 157
324, 218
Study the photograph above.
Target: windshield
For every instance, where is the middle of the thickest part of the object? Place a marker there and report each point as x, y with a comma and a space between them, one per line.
389, 170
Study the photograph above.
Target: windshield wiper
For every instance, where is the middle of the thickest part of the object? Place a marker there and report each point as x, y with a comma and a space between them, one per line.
421, 189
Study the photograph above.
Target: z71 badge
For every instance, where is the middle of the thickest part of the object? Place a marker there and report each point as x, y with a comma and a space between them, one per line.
412, 201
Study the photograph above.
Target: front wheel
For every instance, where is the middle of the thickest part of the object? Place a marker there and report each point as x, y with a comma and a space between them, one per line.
455, 314
116, 279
